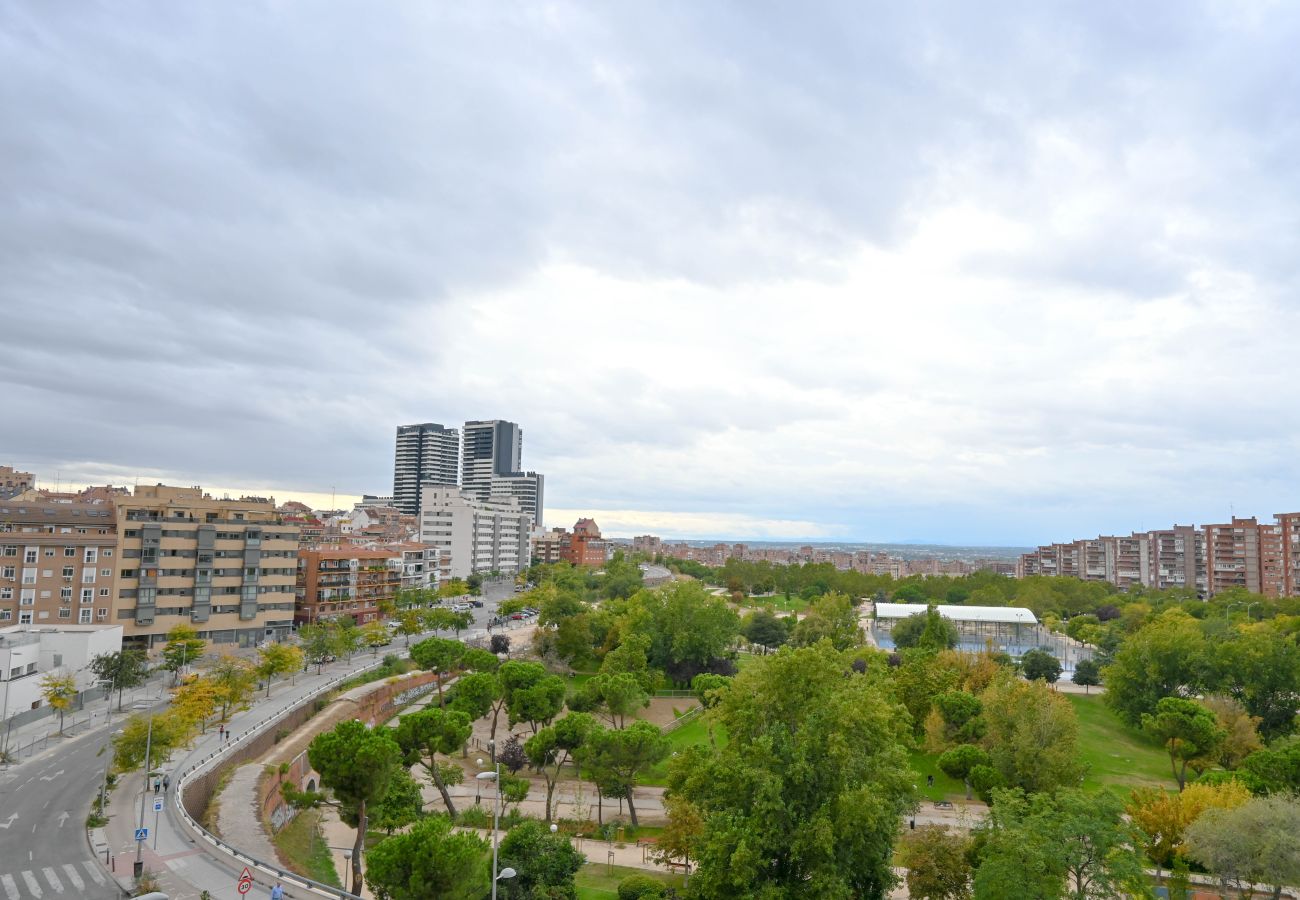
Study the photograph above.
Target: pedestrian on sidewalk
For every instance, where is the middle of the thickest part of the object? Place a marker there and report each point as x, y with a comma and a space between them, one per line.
221, 732
157, 785
167, 782
277, 892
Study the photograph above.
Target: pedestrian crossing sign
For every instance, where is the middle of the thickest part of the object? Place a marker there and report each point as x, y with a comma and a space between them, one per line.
157, 805
142, 834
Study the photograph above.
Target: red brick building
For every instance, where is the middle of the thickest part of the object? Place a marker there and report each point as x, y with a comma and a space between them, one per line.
584, 547
345, 581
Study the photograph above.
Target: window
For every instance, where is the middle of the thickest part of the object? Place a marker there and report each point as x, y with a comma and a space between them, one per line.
6, 593
103, 592
65, 594
87, 595
27, 597
47, 573
83, 616
101, 613
87, 576
65, 613
29, 555
69, 551
7, 572
29, 576
6, 615
10, 550
49, 552
24, 618
105, 573
108, 551
92, 554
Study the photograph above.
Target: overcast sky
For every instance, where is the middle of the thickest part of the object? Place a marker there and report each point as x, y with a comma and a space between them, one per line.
965, 273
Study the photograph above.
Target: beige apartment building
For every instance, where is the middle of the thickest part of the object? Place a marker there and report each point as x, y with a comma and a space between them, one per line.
1289, 523
13, 483
226, 567
57, 563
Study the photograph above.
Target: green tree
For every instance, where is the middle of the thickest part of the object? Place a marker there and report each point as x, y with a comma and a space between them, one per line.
539, 703
129, 745
1254, 843
348, 640
429, 861
122, 669
1087, 672
832, 618
357, 764
937, 863
233, 679
376, 635
925, 631
804, 799
184, 647
1167, 657
513, 677
555, 745
400, 805
59, 690
440, 656
276, 659
960, 761
415, 621
423, 735
1046, 846
1031, 734
615, 760
1261, 668
762, 627
475, 694
545, 864
688, 628
1039, 665
617, 696
1186, 730
319, 643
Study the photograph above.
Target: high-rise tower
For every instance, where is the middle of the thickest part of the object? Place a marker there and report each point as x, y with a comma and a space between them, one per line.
426, 454
491, 448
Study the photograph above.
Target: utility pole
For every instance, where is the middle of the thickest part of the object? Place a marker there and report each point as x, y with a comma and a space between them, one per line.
144, 794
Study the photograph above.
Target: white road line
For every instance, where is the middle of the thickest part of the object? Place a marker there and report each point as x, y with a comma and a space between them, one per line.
53, 879
10, 887
92, 869
32, 884
74, 877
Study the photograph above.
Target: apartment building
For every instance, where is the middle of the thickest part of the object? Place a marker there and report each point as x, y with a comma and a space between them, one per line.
420, 565
57, 563
1289, 523
226, 567
526, 487
345, 581
584, 547
648, 544
475, 537
546, 545
426, 453
13, 483
1232, 555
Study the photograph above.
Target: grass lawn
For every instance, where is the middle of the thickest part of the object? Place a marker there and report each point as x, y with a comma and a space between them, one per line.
305, 850
1118, 757
778, 603
690, 734
596, 882
945, 788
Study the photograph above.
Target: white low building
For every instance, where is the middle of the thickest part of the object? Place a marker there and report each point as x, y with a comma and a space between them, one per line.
27, 653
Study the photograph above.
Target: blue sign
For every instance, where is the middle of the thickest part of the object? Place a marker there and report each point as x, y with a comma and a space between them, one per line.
142, 834
157, 805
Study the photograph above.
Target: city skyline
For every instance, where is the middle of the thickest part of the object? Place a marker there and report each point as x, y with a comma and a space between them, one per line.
990, 277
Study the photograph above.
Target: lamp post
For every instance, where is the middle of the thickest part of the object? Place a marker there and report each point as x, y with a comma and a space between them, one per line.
495, 777
1249, 605
144, 793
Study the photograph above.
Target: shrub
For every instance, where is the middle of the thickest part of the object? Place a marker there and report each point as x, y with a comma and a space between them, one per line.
474, 817
637, 887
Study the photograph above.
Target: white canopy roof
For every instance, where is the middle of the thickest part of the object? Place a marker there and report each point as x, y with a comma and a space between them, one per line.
1010, 615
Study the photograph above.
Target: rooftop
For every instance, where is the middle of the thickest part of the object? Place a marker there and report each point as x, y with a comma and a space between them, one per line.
1010, 615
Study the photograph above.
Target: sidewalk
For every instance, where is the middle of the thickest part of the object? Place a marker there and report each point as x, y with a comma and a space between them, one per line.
29, 741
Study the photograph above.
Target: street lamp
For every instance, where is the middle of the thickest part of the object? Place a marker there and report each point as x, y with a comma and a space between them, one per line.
495, 777
1249, 605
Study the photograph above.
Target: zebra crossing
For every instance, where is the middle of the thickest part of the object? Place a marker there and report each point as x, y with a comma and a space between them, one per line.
51, 881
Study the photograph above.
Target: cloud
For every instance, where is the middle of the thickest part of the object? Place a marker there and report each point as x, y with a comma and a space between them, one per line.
985, 275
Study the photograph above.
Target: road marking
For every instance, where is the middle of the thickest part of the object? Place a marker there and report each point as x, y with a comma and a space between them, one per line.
10, 887
92, 868
74, 877
53, 879
32, 884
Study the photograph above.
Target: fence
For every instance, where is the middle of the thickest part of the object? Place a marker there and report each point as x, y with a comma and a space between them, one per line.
688, 716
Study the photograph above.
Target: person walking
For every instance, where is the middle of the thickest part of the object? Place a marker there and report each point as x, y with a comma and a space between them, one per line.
221, 732
277, 892
167, 783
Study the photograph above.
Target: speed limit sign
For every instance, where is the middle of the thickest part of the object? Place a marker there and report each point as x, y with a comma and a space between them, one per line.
245, 881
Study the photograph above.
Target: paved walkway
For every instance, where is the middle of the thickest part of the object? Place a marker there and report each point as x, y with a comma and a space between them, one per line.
238, 818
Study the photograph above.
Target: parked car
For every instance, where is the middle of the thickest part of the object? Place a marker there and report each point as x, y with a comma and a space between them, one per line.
517, 615
477, 604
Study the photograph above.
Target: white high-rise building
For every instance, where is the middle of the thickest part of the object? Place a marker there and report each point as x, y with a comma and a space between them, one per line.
490, 448
475, 537
526, 487
426, 454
